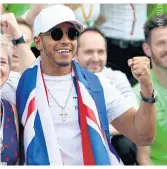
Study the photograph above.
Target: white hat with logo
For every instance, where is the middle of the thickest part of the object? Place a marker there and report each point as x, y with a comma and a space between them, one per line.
52, 16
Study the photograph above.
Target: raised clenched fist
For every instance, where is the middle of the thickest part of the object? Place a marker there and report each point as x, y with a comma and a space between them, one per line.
140, 67
10, 26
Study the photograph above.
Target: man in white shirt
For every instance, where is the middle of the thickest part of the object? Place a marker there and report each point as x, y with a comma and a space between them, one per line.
92, 55
48, 104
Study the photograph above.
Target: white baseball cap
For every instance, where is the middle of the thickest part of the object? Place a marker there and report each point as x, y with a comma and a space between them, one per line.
52, 16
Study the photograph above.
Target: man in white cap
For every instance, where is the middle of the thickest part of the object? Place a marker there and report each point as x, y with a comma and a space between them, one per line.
64, 109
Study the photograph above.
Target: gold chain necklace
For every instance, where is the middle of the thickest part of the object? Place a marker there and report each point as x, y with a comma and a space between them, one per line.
63, 113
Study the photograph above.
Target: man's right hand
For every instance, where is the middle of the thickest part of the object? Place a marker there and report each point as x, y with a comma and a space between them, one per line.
10, 26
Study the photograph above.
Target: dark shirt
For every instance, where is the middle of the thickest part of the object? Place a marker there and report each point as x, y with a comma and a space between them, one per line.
10, 141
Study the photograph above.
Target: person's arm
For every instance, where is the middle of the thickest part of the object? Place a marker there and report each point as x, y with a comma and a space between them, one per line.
125, 89
143, 155
121, 82
10, 26
113, 131
25, 55
139, 125
33, 12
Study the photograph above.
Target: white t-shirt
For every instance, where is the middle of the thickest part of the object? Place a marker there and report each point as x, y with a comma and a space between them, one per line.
68, 132
120, 81
119, 20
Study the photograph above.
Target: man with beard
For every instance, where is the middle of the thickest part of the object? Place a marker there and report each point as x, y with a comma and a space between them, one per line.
64, 110
92, 55
155, 47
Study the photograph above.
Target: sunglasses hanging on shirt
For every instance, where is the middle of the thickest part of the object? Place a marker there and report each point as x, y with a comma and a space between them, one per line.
57, 34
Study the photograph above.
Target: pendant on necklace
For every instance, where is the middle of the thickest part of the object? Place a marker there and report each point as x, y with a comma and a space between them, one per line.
63, 114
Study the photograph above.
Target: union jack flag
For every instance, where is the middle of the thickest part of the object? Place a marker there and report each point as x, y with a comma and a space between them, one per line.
39, 136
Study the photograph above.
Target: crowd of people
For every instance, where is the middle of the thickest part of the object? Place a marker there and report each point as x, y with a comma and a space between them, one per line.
85, 87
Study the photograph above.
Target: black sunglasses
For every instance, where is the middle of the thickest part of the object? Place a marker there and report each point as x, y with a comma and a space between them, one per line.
57, 34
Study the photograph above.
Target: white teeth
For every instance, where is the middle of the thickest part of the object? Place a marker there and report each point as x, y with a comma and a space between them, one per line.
63, 51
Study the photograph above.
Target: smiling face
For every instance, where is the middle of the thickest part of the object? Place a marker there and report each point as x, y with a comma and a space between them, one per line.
57, 53
91, 52
158, 46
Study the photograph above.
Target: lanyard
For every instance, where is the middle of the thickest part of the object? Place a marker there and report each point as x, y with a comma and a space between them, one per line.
1, 133
134, 19
86, 18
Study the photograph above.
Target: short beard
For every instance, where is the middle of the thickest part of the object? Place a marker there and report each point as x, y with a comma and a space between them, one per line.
157, 61
63, 64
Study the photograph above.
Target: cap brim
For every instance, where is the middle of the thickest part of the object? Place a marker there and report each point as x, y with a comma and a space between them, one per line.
77, 25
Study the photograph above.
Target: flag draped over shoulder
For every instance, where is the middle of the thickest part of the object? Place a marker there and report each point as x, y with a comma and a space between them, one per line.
39, 136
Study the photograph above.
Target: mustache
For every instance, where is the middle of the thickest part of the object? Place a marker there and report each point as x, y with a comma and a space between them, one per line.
65, 44
15, 56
